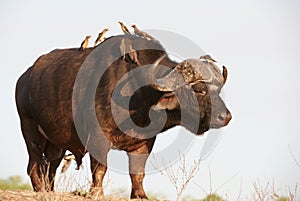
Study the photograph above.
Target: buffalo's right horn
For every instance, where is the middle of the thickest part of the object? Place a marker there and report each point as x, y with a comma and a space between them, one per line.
158, 84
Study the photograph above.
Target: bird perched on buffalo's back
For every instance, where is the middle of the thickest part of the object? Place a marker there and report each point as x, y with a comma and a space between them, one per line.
124, 28
127, 49
141, 33
208, 58
85, 43
133, 55
101, 36
123, 48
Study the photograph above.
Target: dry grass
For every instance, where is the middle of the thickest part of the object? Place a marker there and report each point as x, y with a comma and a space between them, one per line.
268, 191
16, 195
69, 186
181, 176
13, 195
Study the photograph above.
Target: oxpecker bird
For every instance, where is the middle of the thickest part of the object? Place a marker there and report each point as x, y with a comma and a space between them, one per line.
141, 33
101, 36
85, 43
208, 58
123, 48
126, 48
133, 55
67, 162
124, 28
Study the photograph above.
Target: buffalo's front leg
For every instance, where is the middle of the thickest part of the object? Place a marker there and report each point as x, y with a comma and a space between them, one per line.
98, 147
137, 162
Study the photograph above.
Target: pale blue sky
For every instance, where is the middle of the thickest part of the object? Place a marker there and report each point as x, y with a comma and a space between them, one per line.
257, 40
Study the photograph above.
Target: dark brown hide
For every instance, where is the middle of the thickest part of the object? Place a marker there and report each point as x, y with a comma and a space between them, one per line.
50, 107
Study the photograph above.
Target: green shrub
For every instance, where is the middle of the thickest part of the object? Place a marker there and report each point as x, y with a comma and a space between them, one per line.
213, 197
14, 183
283, 199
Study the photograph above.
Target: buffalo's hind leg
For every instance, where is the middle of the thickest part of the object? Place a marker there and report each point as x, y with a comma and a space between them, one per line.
54, 156
35, 146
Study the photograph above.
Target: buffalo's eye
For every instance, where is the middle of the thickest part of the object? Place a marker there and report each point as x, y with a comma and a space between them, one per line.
200, 89
202, 93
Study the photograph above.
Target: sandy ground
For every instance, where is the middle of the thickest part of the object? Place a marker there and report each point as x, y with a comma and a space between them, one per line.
51, 196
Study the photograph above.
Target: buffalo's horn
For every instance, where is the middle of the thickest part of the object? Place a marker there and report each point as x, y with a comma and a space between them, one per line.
159, 84
155, 68
205, 74
159, 60
225, 74
170, 82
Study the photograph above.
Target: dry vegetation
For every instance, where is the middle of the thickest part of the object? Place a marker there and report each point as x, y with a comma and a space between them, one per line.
51, 196
179, 176
269, 192
261, 192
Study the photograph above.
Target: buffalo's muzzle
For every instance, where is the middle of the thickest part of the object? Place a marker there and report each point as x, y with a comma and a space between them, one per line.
224, 118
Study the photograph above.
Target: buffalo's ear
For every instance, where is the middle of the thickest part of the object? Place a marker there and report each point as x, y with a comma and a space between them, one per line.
225, 74
168, 101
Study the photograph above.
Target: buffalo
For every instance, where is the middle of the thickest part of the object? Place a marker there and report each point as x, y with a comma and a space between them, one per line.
89, 101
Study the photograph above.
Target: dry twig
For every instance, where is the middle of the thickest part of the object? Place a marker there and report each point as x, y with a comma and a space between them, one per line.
180, 177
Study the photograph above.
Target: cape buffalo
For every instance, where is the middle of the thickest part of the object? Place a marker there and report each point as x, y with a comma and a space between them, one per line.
87, 101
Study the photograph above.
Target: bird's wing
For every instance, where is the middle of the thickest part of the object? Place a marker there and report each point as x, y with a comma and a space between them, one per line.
133, 55
126, 29
98, 38
146, 35
139, 32
82, 43
122, 48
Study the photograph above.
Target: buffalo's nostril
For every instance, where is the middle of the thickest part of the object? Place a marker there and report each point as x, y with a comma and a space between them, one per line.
225, 117
221, 117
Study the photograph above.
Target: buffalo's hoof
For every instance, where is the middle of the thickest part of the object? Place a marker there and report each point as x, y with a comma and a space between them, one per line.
96, 192
137, 195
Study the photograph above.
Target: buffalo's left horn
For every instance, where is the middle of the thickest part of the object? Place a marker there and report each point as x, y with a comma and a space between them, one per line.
171, 82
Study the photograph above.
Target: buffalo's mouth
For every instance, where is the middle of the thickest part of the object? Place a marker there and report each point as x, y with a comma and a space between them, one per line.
219, 122
214, 122
202, 132
203, 129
